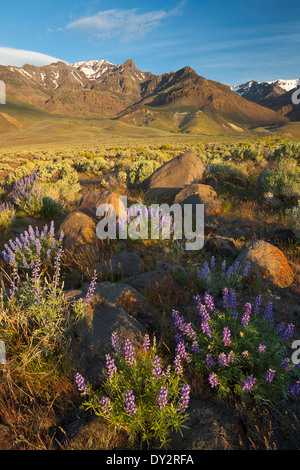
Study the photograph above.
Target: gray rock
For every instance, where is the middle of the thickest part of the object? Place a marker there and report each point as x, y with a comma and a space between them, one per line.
91, 337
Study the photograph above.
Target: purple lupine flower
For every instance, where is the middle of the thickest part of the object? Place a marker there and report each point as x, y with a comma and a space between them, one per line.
230, 357
204, 272
285, 364
115, 344
178, 338
105, 405
156, 368
268, 313
178, 365
36, 280
294, 389
257, 304
225, 296
80, 382
246, 269
203, 313
185, 397
146, 343
162, 398
213, 380
181, 351
246, 317
236, 267
209, 301
232, 301
167, 373
209, 360
269, 377
91, 290
61, 237
206, 329
110, 366
222, 358
288, 332
57, 266
195, 347
249, 383
212, 262
128, 352
183, 327
226, 336
246, 354
129, 402
229, 271
261, 348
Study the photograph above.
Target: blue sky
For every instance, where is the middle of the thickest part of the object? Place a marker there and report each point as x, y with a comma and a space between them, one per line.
230, 41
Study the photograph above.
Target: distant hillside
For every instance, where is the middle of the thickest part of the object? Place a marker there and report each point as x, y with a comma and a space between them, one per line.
179, 101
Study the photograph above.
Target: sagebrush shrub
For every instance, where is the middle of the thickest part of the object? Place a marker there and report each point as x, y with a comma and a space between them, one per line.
7, 215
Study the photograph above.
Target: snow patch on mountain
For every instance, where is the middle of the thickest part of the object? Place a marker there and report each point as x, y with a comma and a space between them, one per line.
286, 85
93, 69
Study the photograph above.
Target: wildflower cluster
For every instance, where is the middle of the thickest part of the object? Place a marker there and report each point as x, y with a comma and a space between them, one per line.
214, 279
140, 221
140, 395
27, 196
7, 215
33, 247
238, 351
36, 314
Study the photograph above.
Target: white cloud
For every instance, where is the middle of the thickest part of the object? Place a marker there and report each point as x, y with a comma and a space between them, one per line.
124, 24
19, 57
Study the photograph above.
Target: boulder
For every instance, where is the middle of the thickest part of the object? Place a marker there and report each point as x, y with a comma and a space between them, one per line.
112, 309
80, 242
267, 262
92, 199
173, 176
200, 194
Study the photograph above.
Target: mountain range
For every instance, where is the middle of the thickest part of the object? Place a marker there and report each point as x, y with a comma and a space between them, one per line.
276, 95
181, 101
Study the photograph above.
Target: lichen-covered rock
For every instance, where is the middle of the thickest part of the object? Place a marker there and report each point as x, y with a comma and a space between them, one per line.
267, 262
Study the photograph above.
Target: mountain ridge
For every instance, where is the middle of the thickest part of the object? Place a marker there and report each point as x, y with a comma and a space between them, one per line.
181, 101
275, 95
